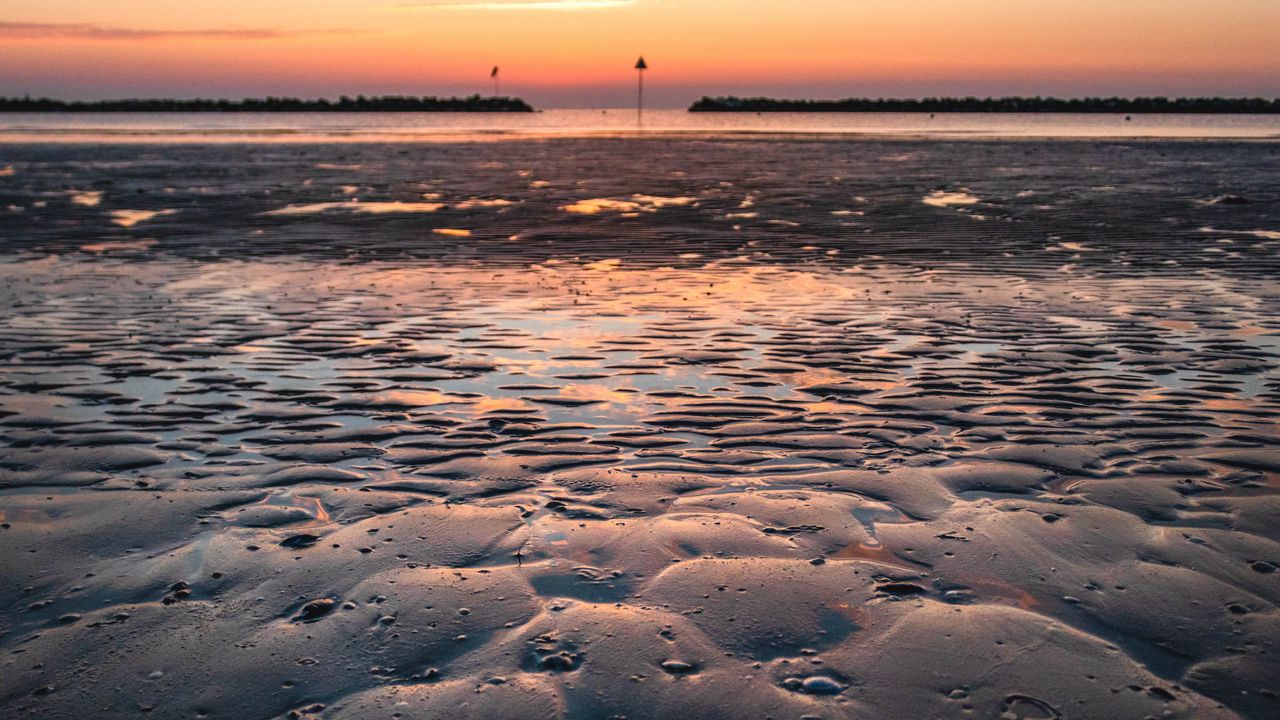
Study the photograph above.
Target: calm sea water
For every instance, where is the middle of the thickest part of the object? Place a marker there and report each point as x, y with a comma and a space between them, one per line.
416, 127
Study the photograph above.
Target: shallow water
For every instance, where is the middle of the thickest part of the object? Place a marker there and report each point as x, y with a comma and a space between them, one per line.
450, 127
654, 429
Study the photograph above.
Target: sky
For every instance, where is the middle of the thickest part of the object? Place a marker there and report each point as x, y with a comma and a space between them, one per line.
580, 53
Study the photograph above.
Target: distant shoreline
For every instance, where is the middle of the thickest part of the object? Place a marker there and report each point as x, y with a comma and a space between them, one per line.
473, 103
1130, 106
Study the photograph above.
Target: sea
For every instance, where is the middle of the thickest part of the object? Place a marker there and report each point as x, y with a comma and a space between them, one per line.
449, 127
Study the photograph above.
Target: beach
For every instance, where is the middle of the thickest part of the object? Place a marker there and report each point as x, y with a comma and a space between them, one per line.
698, 424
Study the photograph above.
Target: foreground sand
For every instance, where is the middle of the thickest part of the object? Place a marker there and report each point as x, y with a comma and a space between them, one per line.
608, 428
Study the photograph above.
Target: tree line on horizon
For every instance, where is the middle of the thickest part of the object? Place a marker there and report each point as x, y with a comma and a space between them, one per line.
360, 103
478, 103
994, 105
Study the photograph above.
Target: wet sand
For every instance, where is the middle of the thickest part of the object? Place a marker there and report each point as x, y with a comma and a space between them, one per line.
624, 428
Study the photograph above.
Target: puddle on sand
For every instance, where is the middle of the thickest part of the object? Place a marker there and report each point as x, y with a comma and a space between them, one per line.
942, 199
355, 206
129, 218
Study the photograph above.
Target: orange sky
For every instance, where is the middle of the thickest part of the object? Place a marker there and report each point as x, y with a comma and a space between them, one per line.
579, 52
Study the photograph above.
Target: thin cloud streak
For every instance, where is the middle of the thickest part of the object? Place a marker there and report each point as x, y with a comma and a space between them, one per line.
84, 31
556, 5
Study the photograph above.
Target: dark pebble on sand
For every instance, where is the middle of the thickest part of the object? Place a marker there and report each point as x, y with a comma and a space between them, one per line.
177, 591
315, 610
561, 662
900, 589
298, 542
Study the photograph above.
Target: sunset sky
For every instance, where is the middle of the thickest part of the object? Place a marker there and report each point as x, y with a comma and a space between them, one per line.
579, 53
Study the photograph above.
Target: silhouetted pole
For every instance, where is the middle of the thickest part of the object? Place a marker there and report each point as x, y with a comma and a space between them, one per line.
494, 75
641, 66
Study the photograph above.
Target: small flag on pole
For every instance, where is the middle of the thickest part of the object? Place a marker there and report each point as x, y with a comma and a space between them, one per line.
494, 74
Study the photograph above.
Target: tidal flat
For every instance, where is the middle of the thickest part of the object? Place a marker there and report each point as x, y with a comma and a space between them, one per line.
643, 428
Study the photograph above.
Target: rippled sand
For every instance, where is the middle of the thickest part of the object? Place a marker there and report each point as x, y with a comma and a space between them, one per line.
611, 428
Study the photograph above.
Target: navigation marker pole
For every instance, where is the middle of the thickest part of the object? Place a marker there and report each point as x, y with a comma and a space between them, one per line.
494, 75
641, 66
